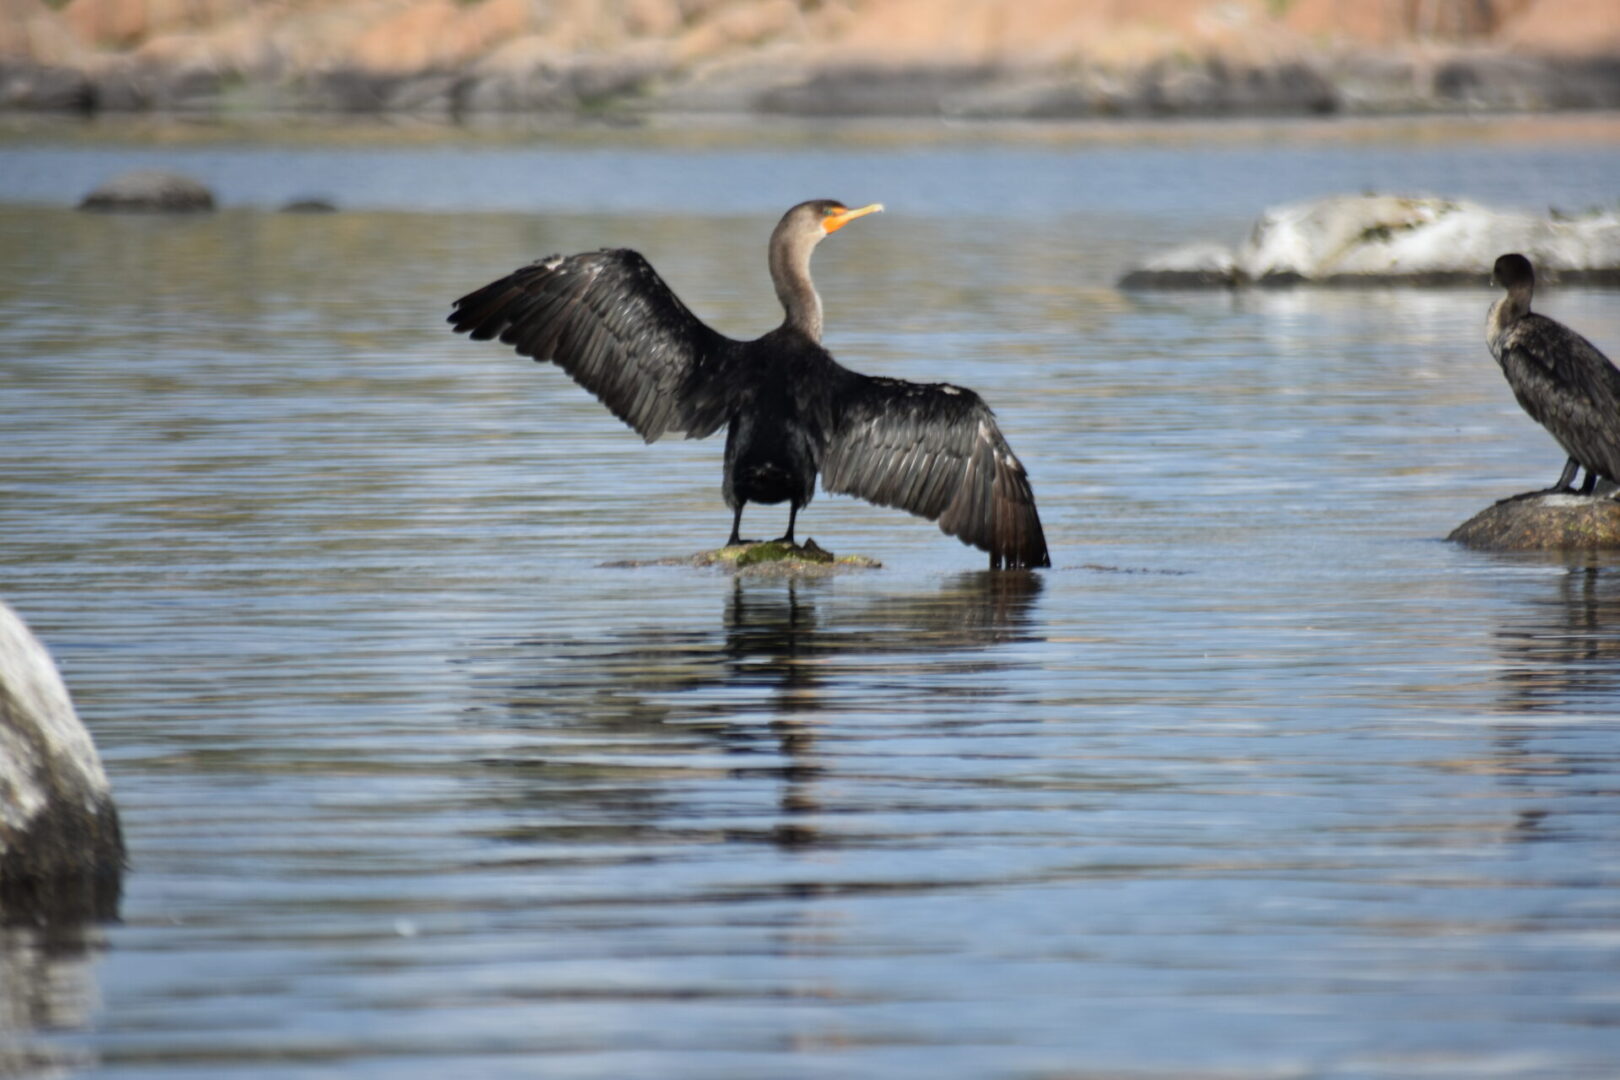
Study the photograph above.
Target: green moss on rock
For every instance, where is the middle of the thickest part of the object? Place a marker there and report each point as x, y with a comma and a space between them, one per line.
777, 551
771, 557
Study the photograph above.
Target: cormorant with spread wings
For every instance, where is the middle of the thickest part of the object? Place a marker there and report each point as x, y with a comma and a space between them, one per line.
790, 409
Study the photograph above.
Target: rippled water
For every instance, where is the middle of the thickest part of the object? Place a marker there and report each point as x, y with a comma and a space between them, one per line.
1263, 779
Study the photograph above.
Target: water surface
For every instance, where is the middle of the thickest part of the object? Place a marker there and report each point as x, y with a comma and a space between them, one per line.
1262, 779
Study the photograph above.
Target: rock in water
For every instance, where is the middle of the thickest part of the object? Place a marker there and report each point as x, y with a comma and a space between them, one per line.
61, 848
768, 558
1194, 266
1390, 239
1544, 523
149, 189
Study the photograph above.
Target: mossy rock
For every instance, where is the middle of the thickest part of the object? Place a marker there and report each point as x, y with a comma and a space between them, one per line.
769, 558
776, 557
777, 551
1544, 522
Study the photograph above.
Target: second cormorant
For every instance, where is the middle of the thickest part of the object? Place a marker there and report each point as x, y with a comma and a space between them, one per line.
790, 410
1561, 379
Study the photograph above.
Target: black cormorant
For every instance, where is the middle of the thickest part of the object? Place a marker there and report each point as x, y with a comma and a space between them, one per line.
1561, 379
790, 410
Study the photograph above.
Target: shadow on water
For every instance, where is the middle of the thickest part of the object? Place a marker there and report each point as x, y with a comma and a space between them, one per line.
631, 725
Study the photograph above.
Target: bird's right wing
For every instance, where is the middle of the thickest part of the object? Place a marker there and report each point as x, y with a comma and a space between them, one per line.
608, 320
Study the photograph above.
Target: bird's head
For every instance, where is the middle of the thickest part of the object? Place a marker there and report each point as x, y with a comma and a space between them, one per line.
796, 236
822, 217
1513, 271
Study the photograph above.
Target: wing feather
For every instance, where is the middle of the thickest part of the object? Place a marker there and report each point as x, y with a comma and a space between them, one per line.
934, 450
608, 320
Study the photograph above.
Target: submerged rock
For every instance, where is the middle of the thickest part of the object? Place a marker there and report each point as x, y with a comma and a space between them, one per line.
149, 189
61, 847
770, 557
1194, 266
1544, 522
1391, 239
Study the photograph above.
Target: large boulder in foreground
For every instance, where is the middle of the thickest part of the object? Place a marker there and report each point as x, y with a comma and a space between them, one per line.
61, 847
149, 190
1391, 239
1544, 523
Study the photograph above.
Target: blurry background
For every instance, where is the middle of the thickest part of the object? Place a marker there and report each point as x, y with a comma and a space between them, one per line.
1040, 58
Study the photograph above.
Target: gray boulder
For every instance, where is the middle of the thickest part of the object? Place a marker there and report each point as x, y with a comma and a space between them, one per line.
149, 189
61, 847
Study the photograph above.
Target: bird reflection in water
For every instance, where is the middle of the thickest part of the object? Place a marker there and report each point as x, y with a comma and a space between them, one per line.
1562, 651
1561, 654
630, 721
775, 642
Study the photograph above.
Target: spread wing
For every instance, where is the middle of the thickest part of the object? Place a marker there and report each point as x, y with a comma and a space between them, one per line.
1568, 386
611, 322
934, 450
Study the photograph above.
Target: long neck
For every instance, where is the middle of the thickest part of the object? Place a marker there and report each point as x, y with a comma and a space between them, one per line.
790, 273
1508, 310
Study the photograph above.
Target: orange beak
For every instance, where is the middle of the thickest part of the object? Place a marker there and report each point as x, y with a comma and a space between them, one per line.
833, 222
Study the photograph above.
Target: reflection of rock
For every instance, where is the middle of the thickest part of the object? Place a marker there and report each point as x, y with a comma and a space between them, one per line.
47, 986
149, 189
1376, 239
61, 850
1543, 523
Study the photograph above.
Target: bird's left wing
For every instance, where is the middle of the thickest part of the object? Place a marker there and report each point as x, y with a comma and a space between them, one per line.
934, 450
611, 322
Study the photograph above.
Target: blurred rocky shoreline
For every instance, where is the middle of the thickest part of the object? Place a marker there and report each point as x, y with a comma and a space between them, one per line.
950, 58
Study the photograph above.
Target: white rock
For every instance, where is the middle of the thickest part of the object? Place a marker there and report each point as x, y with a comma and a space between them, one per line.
57, 819
1357, 238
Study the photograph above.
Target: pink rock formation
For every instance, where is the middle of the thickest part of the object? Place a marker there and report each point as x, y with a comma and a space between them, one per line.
758, 44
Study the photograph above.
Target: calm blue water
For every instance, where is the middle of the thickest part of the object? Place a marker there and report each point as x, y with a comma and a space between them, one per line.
1262, 779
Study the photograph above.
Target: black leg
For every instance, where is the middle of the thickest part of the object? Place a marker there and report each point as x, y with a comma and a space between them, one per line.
736, 527
793, 514
1566, 479
1564, 486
